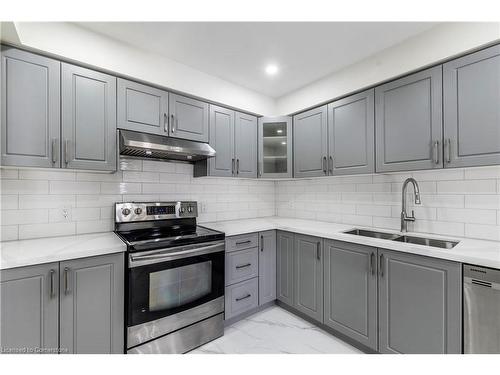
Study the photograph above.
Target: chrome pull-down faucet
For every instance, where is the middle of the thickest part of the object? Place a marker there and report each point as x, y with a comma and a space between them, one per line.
404, 217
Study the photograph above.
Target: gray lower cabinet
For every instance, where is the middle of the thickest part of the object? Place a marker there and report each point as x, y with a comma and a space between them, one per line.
29, 316
245, 145
142, 108
310, 143
92, 305
241, 265
308, 276
241, 297
267, 266
351, 132
420, 304
408, 122
88, 119
188, 118
472, 109
350, 282
284, 267
30, 109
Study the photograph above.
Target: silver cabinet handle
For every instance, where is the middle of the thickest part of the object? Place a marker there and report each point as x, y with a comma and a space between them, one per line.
172, 127
324, 165
260, 168
447, 145
66, 151
261, 243
243, 242
241, 298
165, 122
372, 266
66, 281
331, 165
243, 265
436, 152
232, 166
237, 166
52, 289
318, 251
381, 265
54, 146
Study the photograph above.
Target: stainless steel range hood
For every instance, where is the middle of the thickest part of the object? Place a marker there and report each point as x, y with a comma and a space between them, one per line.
151, 146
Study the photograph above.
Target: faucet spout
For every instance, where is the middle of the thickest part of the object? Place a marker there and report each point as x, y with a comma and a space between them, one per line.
404, 217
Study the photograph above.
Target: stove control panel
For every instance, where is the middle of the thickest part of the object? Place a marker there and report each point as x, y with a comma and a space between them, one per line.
148, 211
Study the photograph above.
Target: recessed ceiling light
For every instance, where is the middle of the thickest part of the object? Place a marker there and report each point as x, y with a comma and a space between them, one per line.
271, 69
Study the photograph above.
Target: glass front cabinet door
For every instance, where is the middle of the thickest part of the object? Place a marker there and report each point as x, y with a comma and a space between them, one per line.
275, 147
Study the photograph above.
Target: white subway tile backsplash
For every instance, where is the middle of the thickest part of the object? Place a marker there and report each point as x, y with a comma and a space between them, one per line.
491, 202
157, 166
97, 200
467, 187
480, 173
46, 201
27, 231
74, 187
23, 187
485, 232
136, 176
94, 226
6, 173
9, 233
120, 188
467, 215
9, 202
35, 174
12, 217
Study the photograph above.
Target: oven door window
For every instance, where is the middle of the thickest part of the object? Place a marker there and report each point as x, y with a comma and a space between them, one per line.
162, 289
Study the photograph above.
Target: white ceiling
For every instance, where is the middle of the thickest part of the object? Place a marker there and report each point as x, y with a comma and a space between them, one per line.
239, 52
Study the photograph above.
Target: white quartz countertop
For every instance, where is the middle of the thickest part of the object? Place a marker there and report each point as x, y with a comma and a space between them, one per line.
55, 249
478, 252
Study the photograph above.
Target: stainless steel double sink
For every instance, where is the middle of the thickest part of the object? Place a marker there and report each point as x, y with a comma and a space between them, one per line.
432, 242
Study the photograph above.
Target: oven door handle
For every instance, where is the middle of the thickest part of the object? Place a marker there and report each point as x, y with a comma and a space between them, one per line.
166, 256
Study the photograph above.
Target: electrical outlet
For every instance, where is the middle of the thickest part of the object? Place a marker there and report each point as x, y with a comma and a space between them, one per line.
203, 207
66, 213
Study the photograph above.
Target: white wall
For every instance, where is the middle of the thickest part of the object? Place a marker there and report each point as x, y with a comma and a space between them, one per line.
436, 44
74, 42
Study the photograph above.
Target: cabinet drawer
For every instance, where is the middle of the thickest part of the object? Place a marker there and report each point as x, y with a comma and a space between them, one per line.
242, 265
245, 241
241, 297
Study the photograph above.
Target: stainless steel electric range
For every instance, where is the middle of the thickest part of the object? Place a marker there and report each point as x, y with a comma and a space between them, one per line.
175, 277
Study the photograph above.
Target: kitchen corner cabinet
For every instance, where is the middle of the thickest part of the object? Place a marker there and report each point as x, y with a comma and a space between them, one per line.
88, 109
76, 306
351, 132
310, 143
188, 118
472, 109
308, 276
420, 304
409, 121
284, 267
350, 283
275, 147
142, 108
30, 108
267, 266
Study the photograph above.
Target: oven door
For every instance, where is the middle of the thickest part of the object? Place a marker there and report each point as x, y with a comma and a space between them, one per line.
171, 288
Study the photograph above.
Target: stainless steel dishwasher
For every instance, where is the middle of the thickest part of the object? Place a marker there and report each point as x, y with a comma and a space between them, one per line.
481, 309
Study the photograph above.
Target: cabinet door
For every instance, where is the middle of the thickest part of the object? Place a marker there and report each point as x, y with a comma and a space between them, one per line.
222, 140
245, 145
310, 143
142, 108
267, 266
284, 267
29, 308
420, 304
351, 291
275, 147
472, 109
30, 96
351, 132
188, 118
408, 122
308, 276
88, 119
91, 305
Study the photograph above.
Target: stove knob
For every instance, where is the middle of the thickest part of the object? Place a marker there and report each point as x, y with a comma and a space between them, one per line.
190, 209
138, 211
126, 212
183, 210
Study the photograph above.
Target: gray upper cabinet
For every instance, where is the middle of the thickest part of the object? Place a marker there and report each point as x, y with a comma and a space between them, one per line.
351, 291
188, 118
245, 145
267, 266
284, 267
351, 131
30, 96
88, 109
29, 308
222, 140
308, 276
408, 122
142, 108
420, 304
275, 147
92, 305
310, 143
472, 109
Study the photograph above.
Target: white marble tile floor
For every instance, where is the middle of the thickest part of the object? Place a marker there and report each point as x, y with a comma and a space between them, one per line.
275, 331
